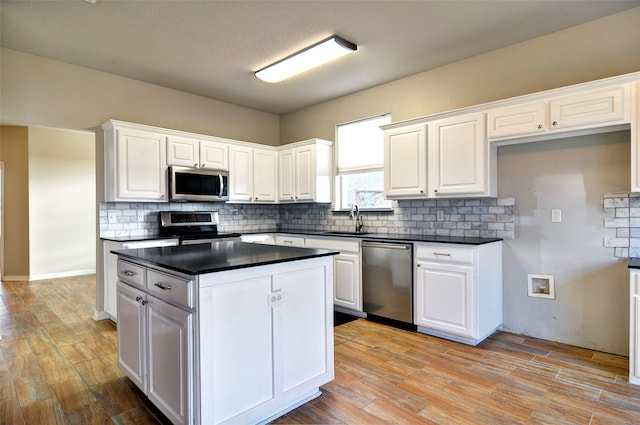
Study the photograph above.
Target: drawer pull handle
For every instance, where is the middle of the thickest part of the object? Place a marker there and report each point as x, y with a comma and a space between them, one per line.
128, 273
442, 254
163, 286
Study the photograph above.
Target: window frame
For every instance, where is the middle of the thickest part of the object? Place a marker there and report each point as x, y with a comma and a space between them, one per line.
338, 195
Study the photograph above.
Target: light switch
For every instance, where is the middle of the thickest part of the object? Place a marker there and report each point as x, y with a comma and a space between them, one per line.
556, 215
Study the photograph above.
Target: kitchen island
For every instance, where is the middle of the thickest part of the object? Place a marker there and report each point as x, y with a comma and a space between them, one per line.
226, 332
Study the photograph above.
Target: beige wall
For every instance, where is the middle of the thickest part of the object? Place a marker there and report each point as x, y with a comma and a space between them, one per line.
602, 48
43, 92
15, 154
62, 203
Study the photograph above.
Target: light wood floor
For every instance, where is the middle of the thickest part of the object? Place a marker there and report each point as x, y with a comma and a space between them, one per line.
58, 366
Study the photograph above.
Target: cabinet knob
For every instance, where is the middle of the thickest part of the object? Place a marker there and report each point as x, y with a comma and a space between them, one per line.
292, 198
256, 198
555, 123
195, 165
138, 299
539, 125
422, 191
202, 165
418, 265
435, 190
144, 302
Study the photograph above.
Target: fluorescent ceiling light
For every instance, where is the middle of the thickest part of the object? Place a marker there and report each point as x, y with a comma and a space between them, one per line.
304, 60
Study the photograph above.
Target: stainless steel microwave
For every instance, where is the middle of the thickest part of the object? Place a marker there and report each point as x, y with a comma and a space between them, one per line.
195, 184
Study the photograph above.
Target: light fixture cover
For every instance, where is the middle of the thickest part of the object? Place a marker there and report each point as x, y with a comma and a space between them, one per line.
304, 60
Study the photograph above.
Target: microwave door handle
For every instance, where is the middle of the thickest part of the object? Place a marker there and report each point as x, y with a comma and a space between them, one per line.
221, 186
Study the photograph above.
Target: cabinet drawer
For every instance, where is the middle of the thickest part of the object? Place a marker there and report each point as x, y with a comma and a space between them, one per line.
131, 273
445, 253
170, 288
342, 245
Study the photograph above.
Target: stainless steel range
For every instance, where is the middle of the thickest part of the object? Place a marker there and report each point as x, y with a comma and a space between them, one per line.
193, 227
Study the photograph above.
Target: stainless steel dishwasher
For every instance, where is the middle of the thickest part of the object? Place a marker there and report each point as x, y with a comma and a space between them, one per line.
387, 282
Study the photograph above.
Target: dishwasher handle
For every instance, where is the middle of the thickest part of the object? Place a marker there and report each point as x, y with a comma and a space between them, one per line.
384, 245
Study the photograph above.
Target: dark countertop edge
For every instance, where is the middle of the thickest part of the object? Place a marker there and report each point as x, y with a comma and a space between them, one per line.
391, 237
135, 238
315, 254
634, 263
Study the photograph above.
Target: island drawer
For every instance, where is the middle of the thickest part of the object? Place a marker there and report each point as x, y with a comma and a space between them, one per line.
171, 288
445, 253
131, 273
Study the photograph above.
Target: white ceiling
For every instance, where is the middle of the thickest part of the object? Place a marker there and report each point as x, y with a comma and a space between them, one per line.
212, 48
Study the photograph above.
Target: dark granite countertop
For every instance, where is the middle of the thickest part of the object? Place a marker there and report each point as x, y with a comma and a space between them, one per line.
634, 263
219, 256
377, 236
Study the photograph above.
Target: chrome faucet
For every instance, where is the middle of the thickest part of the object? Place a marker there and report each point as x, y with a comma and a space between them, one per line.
355, 214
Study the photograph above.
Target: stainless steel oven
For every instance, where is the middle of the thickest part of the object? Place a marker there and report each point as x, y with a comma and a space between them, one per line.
193, 227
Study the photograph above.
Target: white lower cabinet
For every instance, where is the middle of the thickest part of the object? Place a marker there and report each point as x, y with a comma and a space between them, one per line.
634, 326
155, 343
347, 284
257, 343
458, 290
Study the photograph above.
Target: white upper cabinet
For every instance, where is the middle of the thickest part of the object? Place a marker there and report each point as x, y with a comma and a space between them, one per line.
252, 174
516, 120
305, 171
598, 107
197, 153
135, 164
461, 161
635, 143
577, 110
405, 162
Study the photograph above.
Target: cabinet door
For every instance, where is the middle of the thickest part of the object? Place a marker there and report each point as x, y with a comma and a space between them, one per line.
445, 298
405, 162
214, 155
304, 317
347, 287
142, 165
517, 120
634, 327
240, 336
181, 151
635, 144
170, 335
240, 173
286, 175
131, 334
305, 175
459, 157
265, 175
587, 109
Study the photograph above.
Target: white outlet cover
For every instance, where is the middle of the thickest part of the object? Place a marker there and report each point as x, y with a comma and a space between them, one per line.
556, 215
541, 286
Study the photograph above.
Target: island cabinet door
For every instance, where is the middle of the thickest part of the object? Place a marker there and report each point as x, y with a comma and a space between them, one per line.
131, 333
302, 325
236, 350
169, 331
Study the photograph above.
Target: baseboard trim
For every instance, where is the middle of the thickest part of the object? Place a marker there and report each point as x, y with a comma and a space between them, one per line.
62, 274
14, 278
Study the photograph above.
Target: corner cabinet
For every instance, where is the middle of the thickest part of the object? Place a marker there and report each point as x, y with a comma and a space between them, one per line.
305, 171
405, 162
461, 161
135, 164
252, 174
458, 290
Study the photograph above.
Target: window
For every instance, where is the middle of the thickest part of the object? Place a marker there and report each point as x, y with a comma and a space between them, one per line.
360, 164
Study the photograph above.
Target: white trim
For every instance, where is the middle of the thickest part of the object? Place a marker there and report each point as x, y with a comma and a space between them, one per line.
62, 274
101, 315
